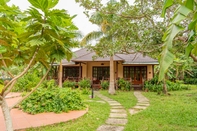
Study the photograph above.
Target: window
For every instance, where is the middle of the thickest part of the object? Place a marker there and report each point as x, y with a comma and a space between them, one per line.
100, 73
70, 72
136, 73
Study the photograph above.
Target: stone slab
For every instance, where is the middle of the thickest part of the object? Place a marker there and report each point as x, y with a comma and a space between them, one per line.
114, 104
115, 121
118, 115
117, 107
110, 128
143, 104
133, 111
140, 107
112, 101
118, 110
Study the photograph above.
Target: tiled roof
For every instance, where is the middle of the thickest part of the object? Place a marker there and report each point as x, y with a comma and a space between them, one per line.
83, 55
137, 58
89, 57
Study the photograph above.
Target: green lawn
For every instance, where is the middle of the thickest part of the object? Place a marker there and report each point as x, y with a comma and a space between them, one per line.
127, 99
176, 112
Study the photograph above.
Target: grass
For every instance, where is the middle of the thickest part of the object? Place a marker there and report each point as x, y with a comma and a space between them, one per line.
176, 112
89, 122
127, 99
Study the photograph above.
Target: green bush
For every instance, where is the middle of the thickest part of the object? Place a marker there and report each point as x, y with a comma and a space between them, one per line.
52, 100
70, 84
155, 86
123, 84
192, 81
84, 83
27, 82
49, 84
85, 91
104, 84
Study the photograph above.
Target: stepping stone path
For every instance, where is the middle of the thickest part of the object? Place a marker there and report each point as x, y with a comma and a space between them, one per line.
142, 103
118, 115
117, 118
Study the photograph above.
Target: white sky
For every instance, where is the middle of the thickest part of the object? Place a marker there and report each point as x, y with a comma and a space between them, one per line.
81, 21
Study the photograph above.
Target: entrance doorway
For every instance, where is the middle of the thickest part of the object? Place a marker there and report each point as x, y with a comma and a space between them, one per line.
136, 73
100, 73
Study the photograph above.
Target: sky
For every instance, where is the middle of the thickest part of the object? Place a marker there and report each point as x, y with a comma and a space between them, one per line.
81, 21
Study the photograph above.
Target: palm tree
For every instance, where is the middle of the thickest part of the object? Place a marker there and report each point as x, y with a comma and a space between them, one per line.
105, 38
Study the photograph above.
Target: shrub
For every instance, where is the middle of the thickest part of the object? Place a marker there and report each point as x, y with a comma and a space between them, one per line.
27, 82
192, 81
85, 91
123, 84
52, 100
84, 83
70, 84
104, 84
49, 84
155, 86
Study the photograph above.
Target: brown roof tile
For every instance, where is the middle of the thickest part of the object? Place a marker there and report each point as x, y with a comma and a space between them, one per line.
83, 55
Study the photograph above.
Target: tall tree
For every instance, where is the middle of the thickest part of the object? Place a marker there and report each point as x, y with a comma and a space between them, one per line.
128, 28
40, 34
105, 37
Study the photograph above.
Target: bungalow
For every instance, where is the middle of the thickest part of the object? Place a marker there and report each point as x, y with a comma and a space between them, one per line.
135, 67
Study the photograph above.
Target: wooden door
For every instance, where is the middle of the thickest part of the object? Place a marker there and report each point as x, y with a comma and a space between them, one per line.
136, 73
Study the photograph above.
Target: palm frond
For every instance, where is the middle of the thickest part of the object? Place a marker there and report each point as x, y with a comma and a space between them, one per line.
91, 36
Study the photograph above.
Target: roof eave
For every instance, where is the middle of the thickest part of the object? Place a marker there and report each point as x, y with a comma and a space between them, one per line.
141, 63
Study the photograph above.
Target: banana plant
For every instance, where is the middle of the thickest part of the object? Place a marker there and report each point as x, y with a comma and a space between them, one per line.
184, 12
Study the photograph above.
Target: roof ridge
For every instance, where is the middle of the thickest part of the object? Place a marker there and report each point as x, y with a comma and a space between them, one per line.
82, 55
79, 50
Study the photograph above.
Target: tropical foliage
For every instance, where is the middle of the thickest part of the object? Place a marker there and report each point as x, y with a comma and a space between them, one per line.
182, 26
27, 82
124, 85
84, 83
70, 84
124, 28
39, 34
104, 84
154, 85
52, 100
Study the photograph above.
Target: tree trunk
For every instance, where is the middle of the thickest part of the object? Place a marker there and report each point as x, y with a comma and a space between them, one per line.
111, 83
7, 116
164, 87
177, 74
24, 71
60, 74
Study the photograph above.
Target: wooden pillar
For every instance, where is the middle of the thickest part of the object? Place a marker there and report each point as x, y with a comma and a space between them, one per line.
117, 70
60, 74
80, 70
